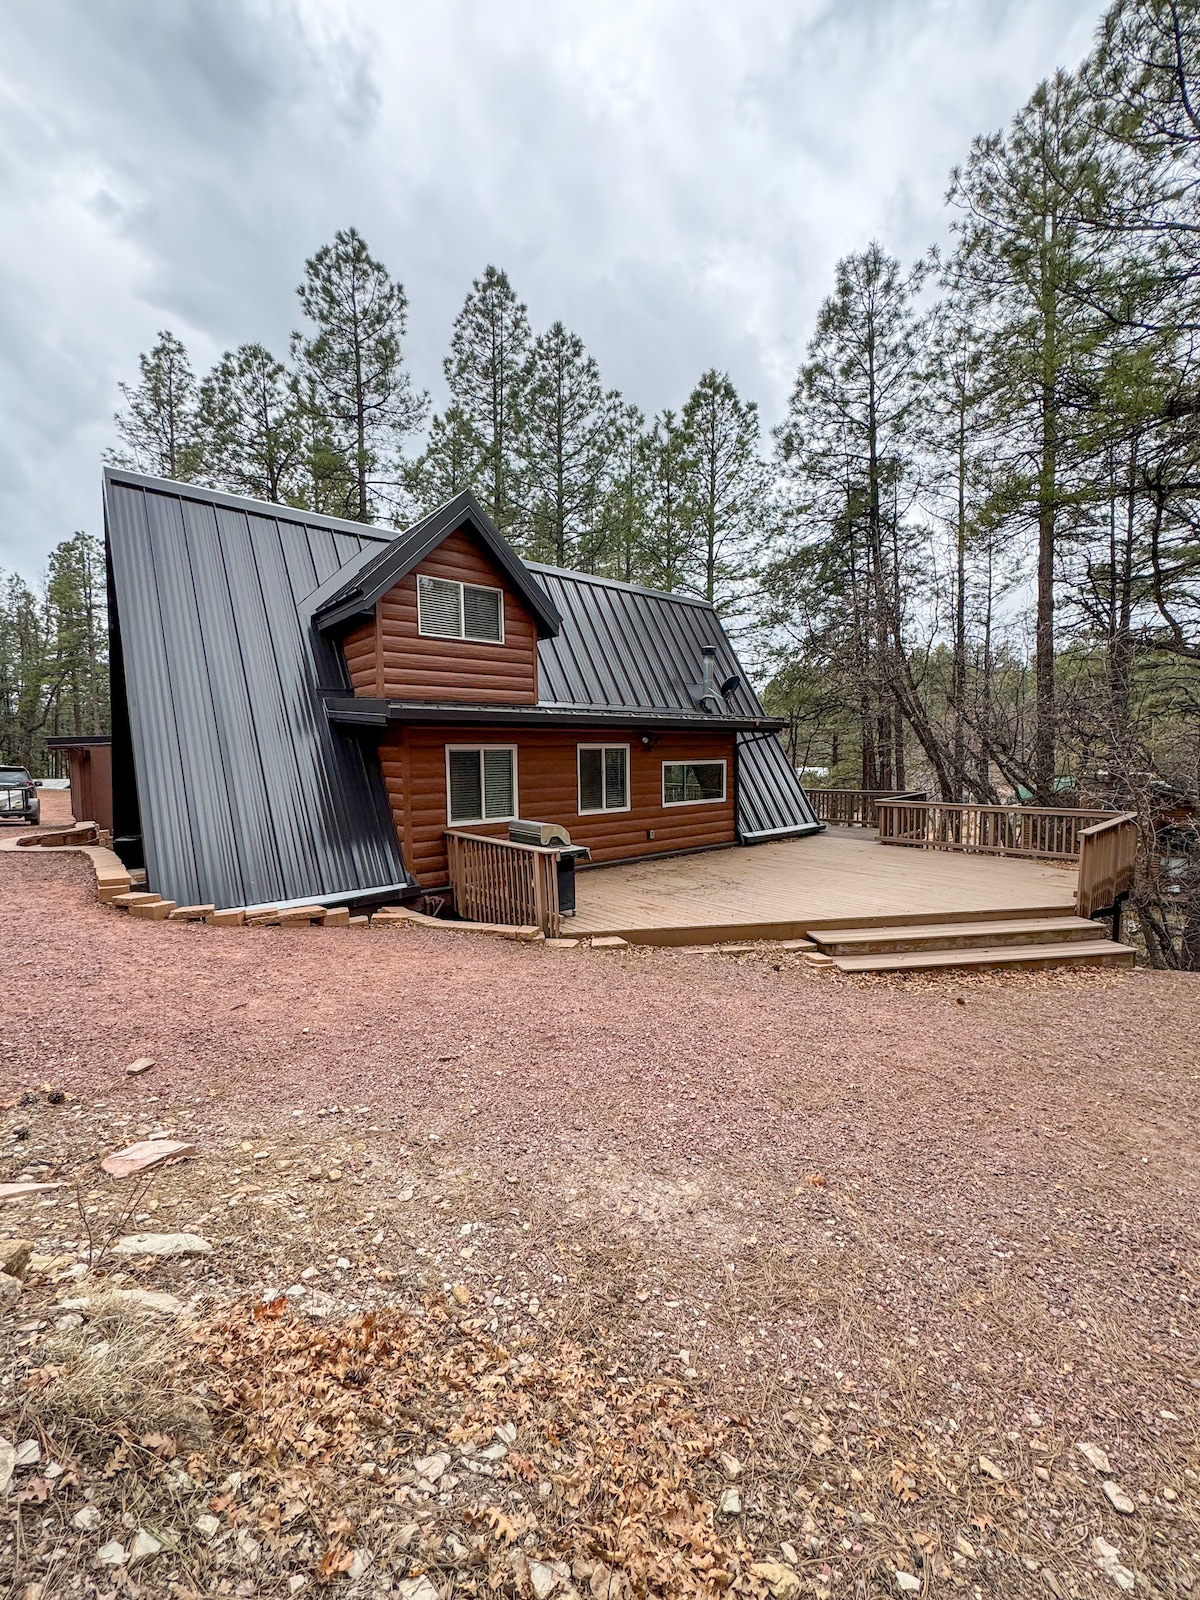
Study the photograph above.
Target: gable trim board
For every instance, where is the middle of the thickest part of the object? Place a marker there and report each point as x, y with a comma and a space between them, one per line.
256, 770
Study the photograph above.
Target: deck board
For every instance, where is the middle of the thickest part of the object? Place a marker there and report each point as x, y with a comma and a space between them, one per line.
842, 877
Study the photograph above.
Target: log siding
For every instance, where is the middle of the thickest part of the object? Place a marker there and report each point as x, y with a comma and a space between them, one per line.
390, 659
413, 761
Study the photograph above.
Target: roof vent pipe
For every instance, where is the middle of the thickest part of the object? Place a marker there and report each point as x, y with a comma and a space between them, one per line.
708, 697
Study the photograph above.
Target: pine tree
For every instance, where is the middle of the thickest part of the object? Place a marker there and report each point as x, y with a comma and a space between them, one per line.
850, 439
354, 367
727, 492
157, 422
449, 463
488, 351
565, 441
1025, 266
626, 497
250, 424
669, 542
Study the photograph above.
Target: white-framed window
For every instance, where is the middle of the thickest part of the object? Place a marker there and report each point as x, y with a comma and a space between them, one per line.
693, 783
603, 777
447, 609
481, 783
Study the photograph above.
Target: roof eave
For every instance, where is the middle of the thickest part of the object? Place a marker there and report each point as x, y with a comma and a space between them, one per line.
359, 712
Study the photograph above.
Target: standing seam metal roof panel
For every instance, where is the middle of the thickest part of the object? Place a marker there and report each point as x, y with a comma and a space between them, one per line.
246, 793
626, 648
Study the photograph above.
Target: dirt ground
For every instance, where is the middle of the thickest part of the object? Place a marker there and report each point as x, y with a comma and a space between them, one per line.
782, 1283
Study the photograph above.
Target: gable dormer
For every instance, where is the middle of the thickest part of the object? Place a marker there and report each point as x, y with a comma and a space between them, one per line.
447, 613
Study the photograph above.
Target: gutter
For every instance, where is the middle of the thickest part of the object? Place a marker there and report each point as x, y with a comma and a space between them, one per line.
358, 712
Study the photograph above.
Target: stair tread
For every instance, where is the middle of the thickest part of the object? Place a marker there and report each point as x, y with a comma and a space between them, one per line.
954, 930
984, 956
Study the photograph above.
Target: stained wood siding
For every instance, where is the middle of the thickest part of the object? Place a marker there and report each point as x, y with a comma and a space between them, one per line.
413, 760
390, 658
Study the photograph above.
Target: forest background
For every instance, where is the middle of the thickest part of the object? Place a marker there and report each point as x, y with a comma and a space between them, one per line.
967, 560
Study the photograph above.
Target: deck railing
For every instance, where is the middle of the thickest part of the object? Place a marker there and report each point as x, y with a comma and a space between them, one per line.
986, 830
855, 807
1107, 858
495, 880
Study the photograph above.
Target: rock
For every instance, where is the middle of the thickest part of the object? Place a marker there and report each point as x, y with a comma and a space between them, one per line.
162, 1244
145, 1154
296, 1582
87, 1519
507, 1433
17, 1191
8, 1461
610, 942
494, 1452
964, 1547
431, 1467
359, 1563
730, 1502
28, 1453
1169, 1495
68, 1322
731, 1465
208, 1526
111, 1554
10, 1291
990, 1468
462, 1295
1117, 1498
144, 1547
1095, 1457
154, 1300
1108, 1559
15, 1256
543, 1578
416, 1589
136, 1068
906, 1583
783, 1583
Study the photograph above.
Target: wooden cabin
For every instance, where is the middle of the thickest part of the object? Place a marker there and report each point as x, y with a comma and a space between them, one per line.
303, 707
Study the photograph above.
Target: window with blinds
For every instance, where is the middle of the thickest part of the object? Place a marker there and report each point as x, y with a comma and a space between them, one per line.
689, 783
450, 610
481, 784
603, 777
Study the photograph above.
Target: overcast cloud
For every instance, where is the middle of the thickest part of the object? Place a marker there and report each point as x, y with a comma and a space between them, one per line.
673, 178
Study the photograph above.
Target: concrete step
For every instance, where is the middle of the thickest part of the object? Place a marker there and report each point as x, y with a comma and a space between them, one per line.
1071, 953
956, 935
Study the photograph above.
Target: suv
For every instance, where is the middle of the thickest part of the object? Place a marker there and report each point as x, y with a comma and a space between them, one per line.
19, 800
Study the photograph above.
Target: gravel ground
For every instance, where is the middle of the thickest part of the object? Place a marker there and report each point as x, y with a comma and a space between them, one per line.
971, 1199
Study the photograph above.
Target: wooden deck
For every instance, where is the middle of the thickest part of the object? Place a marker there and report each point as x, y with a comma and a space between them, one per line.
837, 879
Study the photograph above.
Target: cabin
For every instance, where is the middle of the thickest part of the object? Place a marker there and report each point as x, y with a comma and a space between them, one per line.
308, 710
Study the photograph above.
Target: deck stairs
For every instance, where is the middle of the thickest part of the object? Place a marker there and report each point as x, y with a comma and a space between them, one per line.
1012, 941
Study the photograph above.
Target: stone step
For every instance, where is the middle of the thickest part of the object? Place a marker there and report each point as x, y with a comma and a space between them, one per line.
956, 935
1093, 953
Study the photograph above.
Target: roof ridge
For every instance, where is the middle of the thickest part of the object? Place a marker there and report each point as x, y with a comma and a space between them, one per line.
276, 509
679, 596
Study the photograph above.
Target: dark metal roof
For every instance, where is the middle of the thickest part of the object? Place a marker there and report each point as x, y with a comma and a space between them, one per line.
357, 598
629, 650
246, 794
253, 785
770, 802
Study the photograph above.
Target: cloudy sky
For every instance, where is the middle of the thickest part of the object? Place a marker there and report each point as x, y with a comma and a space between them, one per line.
673, 178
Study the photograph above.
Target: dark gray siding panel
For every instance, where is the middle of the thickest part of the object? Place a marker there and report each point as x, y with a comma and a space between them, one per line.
246, 794
771, 802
